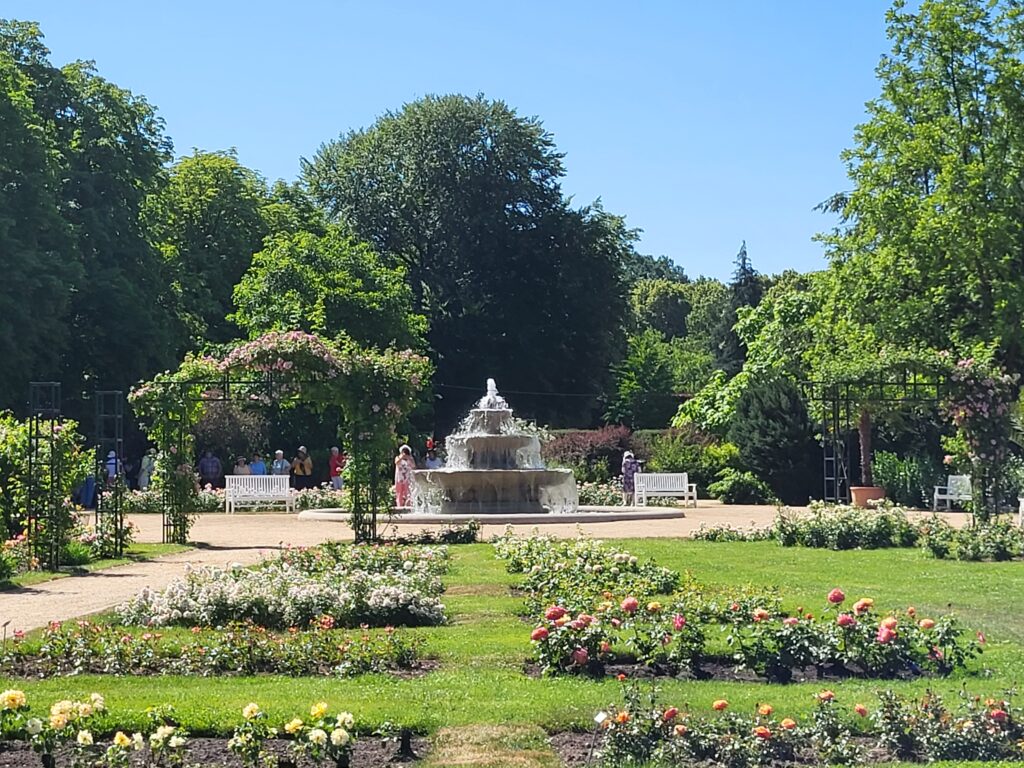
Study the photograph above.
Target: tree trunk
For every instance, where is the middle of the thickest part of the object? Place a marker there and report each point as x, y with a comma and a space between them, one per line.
864, 433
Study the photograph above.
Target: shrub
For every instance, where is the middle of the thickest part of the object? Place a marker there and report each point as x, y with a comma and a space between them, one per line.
838, 527
77, 552
142, 502
600, 494
693, 452
8, 564
594, 455
735, 487
240, 648
724, 533
907, 481
349, 584
321, 497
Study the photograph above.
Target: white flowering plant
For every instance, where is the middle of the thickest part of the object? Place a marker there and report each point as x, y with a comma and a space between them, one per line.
292, 590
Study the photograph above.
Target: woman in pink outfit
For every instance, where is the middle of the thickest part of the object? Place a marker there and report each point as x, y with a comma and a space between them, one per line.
404, 465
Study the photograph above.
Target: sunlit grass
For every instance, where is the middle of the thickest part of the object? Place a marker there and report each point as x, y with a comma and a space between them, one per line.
483, 648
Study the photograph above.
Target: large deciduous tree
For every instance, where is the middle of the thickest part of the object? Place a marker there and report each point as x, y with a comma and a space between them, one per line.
516, 284
34, 239
931, 248
208, 222
329, 285
85, 155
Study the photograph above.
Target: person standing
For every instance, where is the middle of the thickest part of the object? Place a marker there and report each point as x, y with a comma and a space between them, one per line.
630, 466
146, 469
279, 466
257, 466
210, 470
404, 466
241, 467
302, 469
337, 464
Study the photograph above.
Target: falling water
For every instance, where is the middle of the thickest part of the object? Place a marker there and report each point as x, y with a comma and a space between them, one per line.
494, 467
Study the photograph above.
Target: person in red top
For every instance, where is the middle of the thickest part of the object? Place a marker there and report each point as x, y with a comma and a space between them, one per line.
336, 464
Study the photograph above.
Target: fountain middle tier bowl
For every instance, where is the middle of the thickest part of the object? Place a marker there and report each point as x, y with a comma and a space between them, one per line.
494, 491
494, 452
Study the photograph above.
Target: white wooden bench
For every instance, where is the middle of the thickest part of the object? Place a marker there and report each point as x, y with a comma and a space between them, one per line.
256, 489
957, 488
675, 484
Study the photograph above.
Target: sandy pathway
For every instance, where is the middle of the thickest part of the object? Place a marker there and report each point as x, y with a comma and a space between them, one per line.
245, 539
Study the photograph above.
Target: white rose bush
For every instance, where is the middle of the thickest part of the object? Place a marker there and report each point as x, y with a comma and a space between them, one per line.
375, 586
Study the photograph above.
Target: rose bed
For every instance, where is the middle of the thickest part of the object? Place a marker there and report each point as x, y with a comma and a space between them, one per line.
367, 752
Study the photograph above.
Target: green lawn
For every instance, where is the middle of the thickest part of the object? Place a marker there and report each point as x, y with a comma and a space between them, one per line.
136, 553
480, 680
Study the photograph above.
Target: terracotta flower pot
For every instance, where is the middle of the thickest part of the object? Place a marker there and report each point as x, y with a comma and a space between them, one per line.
862, 494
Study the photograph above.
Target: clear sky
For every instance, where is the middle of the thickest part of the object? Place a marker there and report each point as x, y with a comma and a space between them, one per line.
704, 123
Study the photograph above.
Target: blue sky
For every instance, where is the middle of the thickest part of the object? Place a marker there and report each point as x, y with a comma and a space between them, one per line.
704, 123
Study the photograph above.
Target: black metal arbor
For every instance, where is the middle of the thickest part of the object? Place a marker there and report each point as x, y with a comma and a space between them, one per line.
265, 389
836, 406
109, 437
45, 518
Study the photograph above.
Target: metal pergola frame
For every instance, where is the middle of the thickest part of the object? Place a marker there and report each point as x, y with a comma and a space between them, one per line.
109, 408
833, 406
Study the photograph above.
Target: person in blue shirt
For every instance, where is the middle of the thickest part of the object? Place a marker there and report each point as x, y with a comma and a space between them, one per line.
257, 466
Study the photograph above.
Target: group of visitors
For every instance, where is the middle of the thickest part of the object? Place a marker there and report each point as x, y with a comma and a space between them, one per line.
405, 464
137, 477
300, 468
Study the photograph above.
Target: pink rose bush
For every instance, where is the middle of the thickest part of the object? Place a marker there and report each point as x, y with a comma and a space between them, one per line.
584, 632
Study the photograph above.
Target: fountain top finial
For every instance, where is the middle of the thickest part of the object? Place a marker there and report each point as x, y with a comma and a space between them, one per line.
492, 400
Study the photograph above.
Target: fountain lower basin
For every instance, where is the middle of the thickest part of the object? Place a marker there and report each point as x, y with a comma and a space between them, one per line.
486, 492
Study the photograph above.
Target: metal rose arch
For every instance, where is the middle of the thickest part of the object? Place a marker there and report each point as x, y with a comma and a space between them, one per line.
370, 390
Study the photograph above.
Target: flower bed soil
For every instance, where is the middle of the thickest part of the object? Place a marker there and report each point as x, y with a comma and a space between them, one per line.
368, 752
578, 750
30, 667
725, 670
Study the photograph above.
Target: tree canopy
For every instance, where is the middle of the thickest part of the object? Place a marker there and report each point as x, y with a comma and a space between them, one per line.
464, 194
330, 285
208, 221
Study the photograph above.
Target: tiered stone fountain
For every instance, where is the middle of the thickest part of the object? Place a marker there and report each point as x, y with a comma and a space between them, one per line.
493, 468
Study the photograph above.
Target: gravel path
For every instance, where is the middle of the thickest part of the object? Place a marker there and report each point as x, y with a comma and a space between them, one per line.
246, 538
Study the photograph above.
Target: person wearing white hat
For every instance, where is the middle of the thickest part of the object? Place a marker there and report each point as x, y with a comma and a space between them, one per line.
302, 469
630, 466
404, 466
279, 466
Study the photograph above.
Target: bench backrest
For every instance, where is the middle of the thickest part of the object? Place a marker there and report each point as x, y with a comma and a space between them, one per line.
256, 484
662, 481
959, 485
